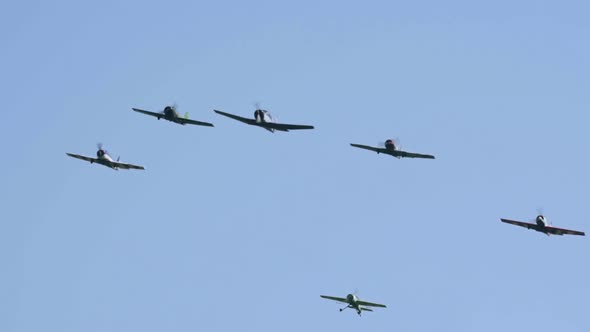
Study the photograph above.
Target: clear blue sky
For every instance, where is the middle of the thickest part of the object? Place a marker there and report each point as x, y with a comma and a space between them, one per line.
234, 228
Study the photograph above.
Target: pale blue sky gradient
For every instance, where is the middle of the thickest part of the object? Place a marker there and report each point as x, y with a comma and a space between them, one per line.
234, 228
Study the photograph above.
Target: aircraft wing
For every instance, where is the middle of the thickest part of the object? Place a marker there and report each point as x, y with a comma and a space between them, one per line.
125, 166
562, 231
283, 126
339, 299
239, 118
521, 224
77, 156
405, 154
371, 304
157, 115
370, 148
193, 122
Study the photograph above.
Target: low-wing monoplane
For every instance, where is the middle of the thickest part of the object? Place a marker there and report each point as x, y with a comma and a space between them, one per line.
392, 150
265, 120
541, 225
353, 302
169, 113
103, 158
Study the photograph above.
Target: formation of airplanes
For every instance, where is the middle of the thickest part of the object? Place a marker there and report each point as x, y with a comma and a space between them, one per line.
264, 119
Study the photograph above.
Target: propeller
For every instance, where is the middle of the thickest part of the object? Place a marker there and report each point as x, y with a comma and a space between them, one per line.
99, 146
396, 141
257, 105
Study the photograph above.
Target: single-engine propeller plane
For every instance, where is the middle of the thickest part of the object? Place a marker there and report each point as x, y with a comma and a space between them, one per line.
353, 302
392, 150
169, 113
264, 119
103, 158
541, 225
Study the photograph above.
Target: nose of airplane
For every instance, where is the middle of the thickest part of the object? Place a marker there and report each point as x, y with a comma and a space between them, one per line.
258, 115
389, 144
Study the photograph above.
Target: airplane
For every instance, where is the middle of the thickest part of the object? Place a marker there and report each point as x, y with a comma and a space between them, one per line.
541, 225
393, 150
105, 159
169, 113
353, 302
264, 120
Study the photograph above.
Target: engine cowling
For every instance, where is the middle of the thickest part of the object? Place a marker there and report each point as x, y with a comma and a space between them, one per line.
351, 298
540, 220
389, 145
259, 115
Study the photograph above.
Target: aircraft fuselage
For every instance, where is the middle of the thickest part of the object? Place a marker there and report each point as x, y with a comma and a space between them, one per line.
105, 159
389, 149
352, 302
170, 114
261, 117
541, 223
